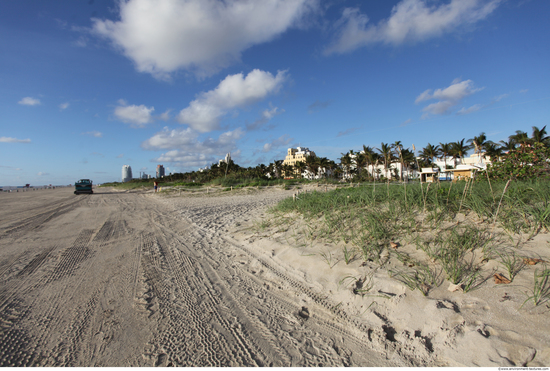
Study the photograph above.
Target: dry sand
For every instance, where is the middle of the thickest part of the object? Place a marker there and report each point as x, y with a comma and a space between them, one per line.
142, 279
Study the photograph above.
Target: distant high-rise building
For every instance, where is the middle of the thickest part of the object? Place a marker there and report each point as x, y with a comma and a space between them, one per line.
225, 160
160, 171
126, 173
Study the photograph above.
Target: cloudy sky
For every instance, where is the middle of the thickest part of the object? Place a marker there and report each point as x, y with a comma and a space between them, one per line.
90, 85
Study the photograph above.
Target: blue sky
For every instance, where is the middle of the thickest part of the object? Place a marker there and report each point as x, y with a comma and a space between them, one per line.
89, 86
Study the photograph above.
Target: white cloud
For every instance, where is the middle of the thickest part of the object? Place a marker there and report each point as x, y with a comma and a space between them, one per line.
204, 113
406, 122
63, 106
477, 107
185, 148
183, 159
13, 140
165, 116
347, 132
203, 36
424, 96
29, 101
455, 92
283, 140
318, 105
95, 134
40, 173
267, 115
137, 116
166, 139
500, 97
11, 168
82, 42
439, 108
410, 21
474, 108
448, 97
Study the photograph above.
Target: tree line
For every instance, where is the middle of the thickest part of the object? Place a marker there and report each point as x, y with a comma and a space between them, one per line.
375, 163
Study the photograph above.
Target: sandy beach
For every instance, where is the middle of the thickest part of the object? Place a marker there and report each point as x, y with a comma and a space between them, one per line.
134, 278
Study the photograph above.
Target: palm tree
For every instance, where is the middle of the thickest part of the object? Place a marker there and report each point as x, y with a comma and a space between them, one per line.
323, 163
477, 143
372, 158
521, 138
459, 150
260, 170
493, 150
346, 162
312, 164
332, 167
271, 170
360, 162
539, 136
408, 158
445, 150
367, 151
429, 152
287, 170
278, 168
336, 172
398, 151
300, 166
508, 145
387, 156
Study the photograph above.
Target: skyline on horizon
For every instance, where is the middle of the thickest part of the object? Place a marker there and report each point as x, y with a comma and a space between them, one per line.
86, 87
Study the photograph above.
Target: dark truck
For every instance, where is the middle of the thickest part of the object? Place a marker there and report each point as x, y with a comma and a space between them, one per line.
83, 186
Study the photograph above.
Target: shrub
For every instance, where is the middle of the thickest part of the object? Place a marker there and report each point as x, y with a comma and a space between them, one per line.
524, 162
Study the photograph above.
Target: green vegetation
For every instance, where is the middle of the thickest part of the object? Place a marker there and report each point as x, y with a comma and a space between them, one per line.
541, 288
521, 157
457, 228
232, 181
452, 225
524, 162
133, 184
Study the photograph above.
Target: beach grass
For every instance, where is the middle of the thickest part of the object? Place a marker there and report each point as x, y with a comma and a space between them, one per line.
453, 224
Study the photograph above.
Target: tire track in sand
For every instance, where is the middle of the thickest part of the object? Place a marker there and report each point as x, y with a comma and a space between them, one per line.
36, 222
252, 307
188, 338
222, 304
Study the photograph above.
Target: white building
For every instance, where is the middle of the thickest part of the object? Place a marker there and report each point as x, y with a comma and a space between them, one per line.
321, 173
225, 160
479, 161
126, 173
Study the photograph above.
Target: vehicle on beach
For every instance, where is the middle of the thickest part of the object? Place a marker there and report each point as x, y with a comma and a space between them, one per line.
83, 186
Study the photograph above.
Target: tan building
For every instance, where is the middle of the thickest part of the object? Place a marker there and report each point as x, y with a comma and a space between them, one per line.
464, 172
428, 175
295, 155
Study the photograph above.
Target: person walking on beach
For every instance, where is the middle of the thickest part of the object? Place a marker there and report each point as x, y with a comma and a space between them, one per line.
155, 183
